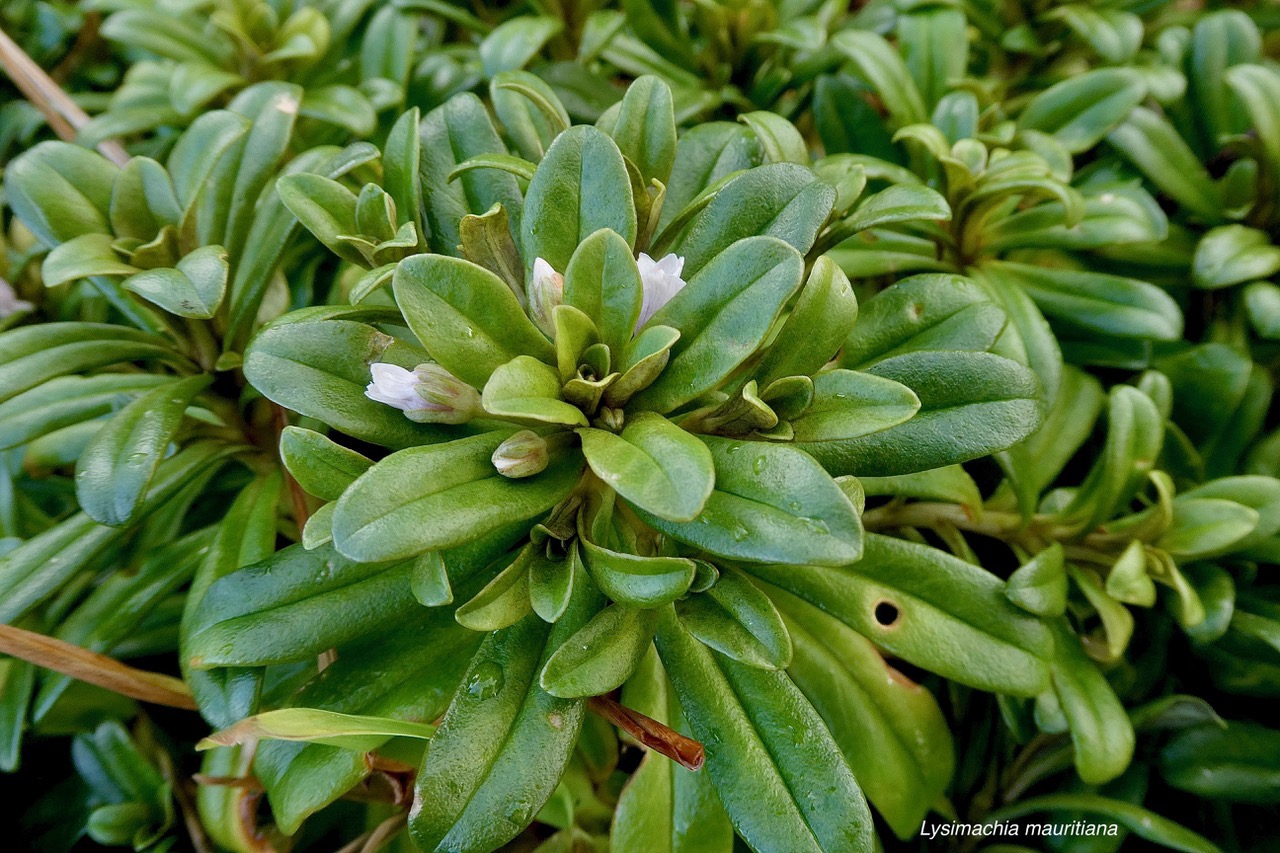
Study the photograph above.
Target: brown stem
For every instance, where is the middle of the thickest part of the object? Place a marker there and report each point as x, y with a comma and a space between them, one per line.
64, 115
70, 659
686, 752
300, 512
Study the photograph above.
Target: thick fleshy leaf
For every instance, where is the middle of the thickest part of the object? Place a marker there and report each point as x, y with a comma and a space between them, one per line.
654, 465
1232, 254
321, 370
1082, 109
465, 316
580, 187
738, 620
601, 655
971, 404
194, 288
764, 495
848, 404
723, 315
645, 127
781, 200
502, 746
890, 729
932, 609
638, 581
822, 318
774, 763
117, 465
1239, 762
441, 496
603, 282
526, 389
321, 466
1101, 732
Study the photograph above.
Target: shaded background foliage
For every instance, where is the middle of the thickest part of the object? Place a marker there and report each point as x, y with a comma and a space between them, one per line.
1057, 219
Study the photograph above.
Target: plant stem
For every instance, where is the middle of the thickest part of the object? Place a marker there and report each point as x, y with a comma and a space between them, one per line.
64, 115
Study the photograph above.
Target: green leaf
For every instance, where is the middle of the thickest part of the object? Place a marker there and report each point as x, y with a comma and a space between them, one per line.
1135, 434
768, 751
705, 155
765, 493
194, 288
502, 746
779, 139
1153, 145
1141, 822
1101, 732
723, 315
897, 204
971, 404
603, 282
890, 729
525, 389
935, 47
1204, 527
321, 466
881, 66
326, 208
601, 655
465, 316
69, 400
848, 404
530, 113
313, 725
1239, 763
200, 149
1039, 585
60, 191
822, 318
1258, 87
453, 133
637, 581
82, 257
934, 610
951, 484
580, 187
1262, 299
1232, 254
504, 601
428, 498
654, 465
406, 671
293, 605
924, 312
1094, 303
320, 370
781, 200
38, 567
645, 128
1081, 110
739, 621
117, 466
514, 43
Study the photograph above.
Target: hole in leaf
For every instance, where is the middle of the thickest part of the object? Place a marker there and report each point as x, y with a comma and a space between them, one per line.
886, 614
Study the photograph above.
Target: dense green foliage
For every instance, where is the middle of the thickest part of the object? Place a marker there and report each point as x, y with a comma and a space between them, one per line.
486, 410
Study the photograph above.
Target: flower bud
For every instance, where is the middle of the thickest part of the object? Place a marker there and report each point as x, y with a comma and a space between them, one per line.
546, 291
522, 455
660, 281
426, 394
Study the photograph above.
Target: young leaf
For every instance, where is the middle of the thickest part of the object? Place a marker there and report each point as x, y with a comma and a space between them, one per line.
739, 621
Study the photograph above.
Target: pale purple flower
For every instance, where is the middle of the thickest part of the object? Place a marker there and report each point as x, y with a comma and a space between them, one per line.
661, 281
426, 394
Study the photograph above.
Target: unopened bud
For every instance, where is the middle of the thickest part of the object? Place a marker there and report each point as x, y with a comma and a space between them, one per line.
426, 394
522, 455
546, 291
612, 419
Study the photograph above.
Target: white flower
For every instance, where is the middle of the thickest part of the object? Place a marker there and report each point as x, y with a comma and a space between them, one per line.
426, 394
545, 292
9, 301
661, 281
